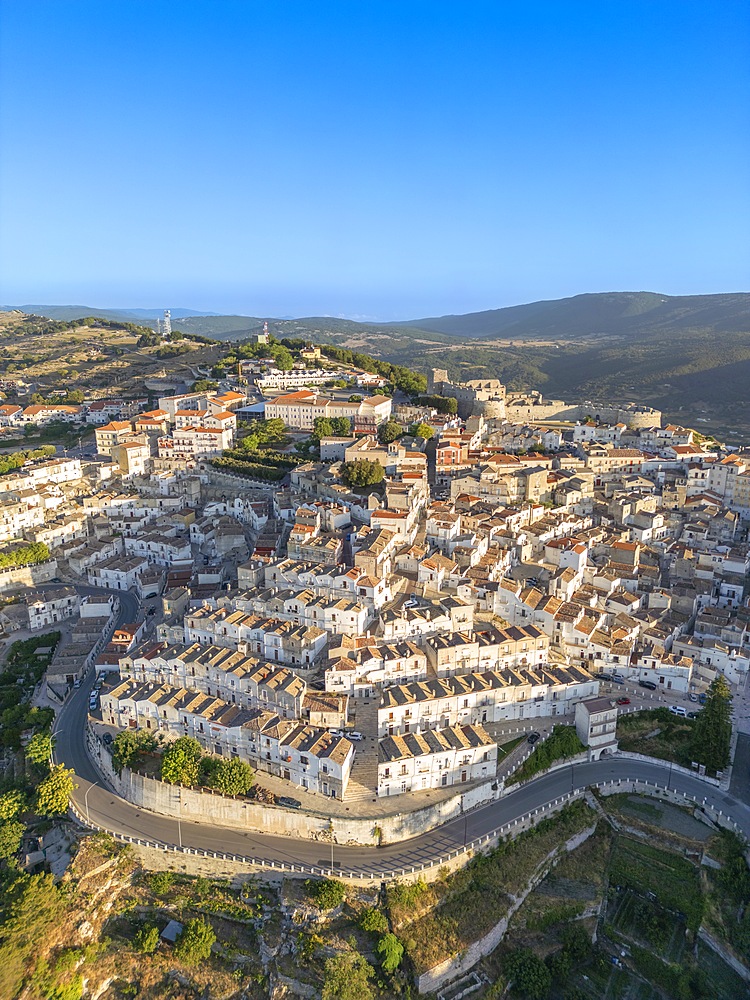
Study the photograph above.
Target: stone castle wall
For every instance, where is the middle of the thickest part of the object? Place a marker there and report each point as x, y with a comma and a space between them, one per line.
487, 398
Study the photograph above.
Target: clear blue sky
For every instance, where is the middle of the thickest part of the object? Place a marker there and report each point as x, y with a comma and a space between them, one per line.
388, 159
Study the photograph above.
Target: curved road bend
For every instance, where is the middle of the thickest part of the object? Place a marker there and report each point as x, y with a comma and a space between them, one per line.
107, 810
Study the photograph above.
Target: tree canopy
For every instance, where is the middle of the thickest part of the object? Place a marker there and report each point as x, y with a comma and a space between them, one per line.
422, 430
391, 952
180, 762
233, 776
53, 793
130, 747
347, 977
363, 472
389, 431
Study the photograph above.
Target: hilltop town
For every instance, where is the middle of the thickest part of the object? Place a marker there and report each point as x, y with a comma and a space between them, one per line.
363, 603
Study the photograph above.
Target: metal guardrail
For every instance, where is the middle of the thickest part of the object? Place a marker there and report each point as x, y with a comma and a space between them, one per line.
467, 850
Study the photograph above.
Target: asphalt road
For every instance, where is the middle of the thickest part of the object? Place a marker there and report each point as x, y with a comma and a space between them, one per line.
104, 808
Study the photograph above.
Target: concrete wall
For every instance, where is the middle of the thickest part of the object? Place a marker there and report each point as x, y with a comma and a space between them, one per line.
28, 576
557, 410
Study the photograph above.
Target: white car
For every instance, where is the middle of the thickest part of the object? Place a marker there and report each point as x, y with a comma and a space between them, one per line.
336, 732
354, 735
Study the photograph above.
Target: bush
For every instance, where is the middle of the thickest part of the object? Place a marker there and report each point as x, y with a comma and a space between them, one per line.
347, 977
374, 921
233, 776
327, 894
194, 943
161, 882
146, 939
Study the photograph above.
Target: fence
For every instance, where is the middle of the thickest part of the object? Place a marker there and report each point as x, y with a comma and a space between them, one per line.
465, 852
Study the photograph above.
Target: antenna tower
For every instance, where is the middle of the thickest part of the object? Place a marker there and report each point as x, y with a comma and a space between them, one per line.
167, 322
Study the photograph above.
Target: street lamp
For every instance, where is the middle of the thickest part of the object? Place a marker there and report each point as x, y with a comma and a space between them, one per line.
179, 817
86, 802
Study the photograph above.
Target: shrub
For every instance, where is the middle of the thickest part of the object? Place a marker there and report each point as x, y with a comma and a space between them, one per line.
373, 920
146, 939
195, 941
327, 894
391, 952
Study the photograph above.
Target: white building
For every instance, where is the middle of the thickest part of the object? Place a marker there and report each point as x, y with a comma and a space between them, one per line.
435, 759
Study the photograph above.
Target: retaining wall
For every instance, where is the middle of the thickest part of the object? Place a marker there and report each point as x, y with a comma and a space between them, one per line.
11, 578
195, 804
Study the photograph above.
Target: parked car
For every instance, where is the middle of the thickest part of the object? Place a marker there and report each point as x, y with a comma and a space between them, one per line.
94, 701
623, 701
693, 715
603, 676
354, 735
693, 697
678, 710
337, 732
701, 699
533, 738
108, 738
618, 678
647, 684
289, 802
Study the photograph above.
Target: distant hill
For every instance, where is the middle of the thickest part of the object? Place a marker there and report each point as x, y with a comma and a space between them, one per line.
66, 313
601, 314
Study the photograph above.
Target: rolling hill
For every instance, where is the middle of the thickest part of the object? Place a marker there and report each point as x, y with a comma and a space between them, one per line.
601, 314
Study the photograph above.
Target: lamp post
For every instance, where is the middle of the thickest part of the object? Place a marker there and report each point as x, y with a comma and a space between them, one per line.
86, 802
179, 817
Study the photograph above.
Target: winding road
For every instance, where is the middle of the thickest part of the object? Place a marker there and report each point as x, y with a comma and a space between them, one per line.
104, 809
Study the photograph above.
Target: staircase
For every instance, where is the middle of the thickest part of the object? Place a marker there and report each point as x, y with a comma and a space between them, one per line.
364, 775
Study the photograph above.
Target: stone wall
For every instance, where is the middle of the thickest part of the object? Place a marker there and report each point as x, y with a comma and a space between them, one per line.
27, 576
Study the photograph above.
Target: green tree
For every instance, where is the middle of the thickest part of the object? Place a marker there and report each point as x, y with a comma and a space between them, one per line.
327, 893
53, 794
422, 430
39, 749
528, 973
354, 398
74, 397
712, 732
389, 431
146, 939
233, 776
347, 977
362, 472
11, 832
130, 747
194, 943
374, 921
204, 385
391, 952
11, 803
322, 427
342, 426
181, 761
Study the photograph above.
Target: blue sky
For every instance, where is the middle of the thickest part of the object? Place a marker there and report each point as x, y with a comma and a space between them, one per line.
371, 159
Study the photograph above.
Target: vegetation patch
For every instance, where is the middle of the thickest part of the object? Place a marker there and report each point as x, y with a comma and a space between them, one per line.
470, 902
563, 743
673, 880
